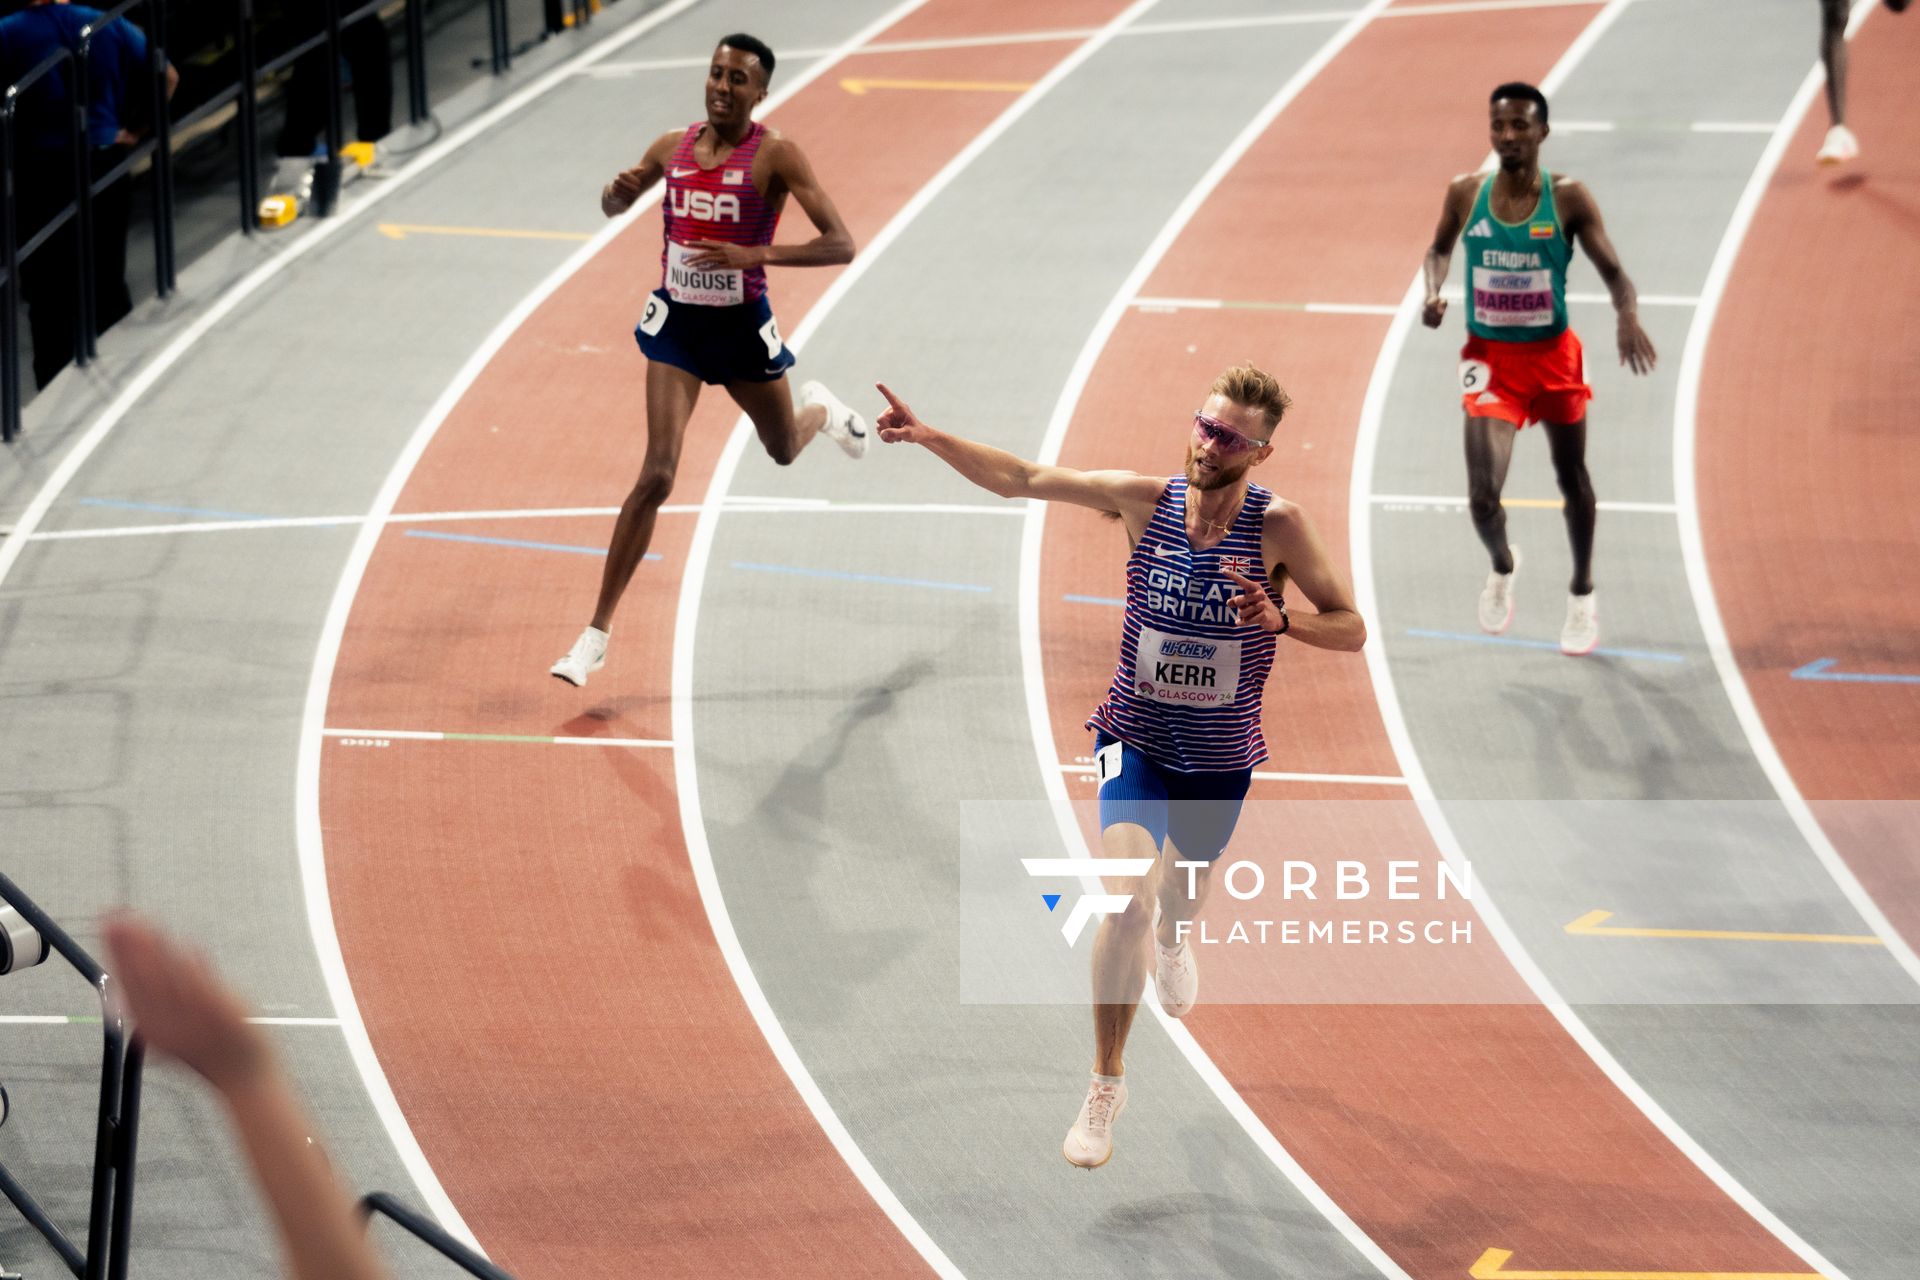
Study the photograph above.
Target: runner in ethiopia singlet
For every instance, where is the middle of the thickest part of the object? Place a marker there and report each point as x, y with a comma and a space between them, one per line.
1517, 271
1186, 691
720, 203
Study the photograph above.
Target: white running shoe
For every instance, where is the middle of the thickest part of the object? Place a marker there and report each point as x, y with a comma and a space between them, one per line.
844, 427
1089, 1143
1496, 598
1582, 631
1176, 977
1840, 146
588, 655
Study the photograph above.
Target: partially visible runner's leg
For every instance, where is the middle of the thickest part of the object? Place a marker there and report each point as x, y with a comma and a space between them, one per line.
1580, 634
784, 430
671, 395
1489, 448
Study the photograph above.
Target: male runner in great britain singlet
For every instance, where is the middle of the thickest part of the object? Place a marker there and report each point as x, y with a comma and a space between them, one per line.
728, 178
1522, 364
1178, 736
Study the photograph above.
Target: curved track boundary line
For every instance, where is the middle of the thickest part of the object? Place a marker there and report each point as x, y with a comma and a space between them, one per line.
224, 305
1693, 552
1033, 661
313, 720
1360, 526
686, 623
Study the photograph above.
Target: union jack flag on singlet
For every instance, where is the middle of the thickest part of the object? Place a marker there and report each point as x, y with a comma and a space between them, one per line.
1187, 688
720, 203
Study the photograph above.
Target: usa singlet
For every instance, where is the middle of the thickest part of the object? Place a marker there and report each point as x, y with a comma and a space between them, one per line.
720, 203
1187, 688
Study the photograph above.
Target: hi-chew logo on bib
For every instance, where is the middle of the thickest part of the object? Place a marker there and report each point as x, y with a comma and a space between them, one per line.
1185, 670
701, 286
1512, 298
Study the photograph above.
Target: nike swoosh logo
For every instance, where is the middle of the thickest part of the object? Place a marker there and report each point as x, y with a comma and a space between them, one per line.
683, 173
1166, 553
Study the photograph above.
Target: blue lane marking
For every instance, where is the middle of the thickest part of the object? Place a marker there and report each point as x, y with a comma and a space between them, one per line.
1823, 670
858, 577
1118, 604
514, 542
1647, 655
163, 509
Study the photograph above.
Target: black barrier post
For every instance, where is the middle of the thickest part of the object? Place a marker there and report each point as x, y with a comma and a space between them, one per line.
83, 317
502, 42
417, 106
17, 253
10, 295
248, 117
165, 267
430, 1232
326, 177
114, 1145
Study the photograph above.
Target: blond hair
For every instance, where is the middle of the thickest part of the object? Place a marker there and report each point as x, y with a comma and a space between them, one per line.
1254, 388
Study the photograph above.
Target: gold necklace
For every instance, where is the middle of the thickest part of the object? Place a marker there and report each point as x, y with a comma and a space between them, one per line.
1229, 521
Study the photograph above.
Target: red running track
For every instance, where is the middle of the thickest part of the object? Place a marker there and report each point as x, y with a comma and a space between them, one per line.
523, 930
1807, 469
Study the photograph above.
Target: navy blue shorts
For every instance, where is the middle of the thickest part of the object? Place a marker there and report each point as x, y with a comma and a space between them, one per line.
1197, 810
717, 345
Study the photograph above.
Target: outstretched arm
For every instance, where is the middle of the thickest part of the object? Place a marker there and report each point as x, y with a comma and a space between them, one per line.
629, 185
182, 1010
1121, 493
832, 245
1453, 216
1582, 217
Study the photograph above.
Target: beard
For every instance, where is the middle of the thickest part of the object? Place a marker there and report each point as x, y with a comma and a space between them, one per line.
1209, 480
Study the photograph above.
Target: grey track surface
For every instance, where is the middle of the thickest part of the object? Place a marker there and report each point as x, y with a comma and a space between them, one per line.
841, 763
1625, 783
151, 688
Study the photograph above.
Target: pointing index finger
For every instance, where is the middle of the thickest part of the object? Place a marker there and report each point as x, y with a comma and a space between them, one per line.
893, 399
1241, 578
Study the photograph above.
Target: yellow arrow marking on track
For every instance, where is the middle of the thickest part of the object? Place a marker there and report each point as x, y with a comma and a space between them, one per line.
860, 87
401, 230
1589, 926
1493, 1262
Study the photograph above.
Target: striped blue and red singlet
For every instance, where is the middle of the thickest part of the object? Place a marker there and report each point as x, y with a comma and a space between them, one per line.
1187, 688
720, 203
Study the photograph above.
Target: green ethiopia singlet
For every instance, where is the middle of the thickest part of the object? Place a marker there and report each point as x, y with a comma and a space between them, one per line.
1516, 271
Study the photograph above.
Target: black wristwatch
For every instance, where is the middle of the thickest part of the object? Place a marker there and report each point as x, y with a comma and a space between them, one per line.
1285, 622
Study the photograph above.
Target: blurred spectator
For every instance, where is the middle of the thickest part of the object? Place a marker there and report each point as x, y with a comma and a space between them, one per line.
183, 1011
363, 47
120, 97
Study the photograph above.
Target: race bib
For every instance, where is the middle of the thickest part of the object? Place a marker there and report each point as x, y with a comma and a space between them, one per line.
1186, 671
701, 286
654, 318
1475, 375
1512, 299
1106, 761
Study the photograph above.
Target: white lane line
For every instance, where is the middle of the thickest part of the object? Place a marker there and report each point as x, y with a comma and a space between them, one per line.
312, 869
699, 556
1732, 126
361, 736
1656, 126
1693, 551
1057, 35
1265, 775
1147, 303
1435, 500
313, 722
1393, 716
61, 1019
741, 505
1033, 671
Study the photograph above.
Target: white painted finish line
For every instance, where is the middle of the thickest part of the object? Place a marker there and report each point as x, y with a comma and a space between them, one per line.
1438, 500
1264, 775
1375, 308
381, 737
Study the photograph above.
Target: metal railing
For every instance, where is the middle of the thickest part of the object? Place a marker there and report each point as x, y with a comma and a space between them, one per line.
116, 1129
429, 1231
244, 96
